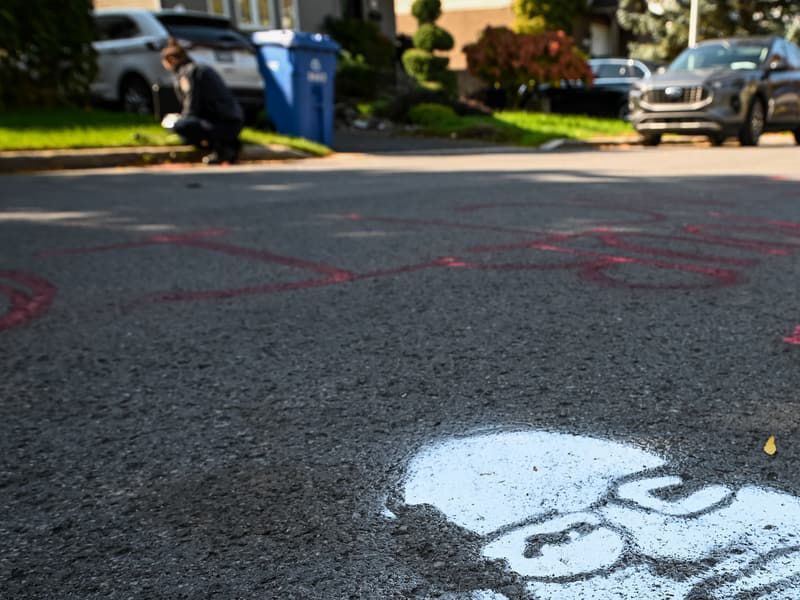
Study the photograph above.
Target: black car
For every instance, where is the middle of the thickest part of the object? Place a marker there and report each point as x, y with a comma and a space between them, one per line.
607, 96
722, 88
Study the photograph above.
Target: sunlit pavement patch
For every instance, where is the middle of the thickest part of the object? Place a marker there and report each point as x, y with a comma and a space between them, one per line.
577, 517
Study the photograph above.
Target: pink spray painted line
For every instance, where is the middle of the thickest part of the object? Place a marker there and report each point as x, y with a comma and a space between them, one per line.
597, 264
204, 240
442, 223
793, 339
25, 305
154, 240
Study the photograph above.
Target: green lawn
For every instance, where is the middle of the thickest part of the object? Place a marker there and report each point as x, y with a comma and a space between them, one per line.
59, 129
515, 127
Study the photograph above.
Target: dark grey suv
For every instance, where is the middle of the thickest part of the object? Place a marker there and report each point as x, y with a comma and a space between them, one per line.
721, 88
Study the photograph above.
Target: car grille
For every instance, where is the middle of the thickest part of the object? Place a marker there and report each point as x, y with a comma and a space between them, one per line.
686, 95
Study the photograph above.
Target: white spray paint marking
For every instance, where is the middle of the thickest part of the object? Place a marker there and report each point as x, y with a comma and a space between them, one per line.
487, 595
562, 510
490, 481
633, 583
579, 552
639, 492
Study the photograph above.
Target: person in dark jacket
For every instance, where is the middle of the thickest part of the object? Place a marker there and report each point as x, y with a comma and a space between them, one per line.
210, 116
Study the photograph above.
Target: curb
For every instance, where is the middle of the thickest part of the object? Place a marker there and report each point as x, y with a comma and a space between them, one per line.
97, 158
768, 139
598, 143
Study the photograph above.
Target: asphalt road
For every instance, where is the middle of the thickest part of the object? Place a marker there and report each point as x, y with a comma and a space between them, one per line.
359, 377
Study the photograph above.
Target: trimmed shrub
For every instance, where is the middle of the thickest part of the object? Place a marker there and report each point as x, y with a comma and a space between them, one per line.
430, 37
423, 66
366, 61
355, 78
430, 71
426, 11
430, 115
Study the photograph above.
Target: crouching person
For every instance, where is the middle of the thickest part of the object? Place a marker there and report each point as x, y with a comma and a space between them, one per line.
210, 117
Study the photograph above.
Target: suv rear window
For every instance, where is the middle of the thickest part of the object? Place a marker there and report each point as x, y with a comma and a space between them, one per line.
204, 32
114, 27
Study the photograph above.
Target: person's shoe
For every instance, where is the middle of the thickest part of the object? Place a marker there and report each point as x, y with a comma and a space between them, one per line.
213, 159
221, 156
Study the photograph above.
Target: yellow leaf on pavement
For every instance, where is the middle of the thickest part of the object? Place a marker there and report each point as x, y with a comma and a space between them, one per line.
770, 447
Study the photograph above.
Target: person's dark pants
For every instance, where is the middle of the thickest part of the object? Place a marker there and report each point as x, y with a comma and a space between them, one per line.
221, 137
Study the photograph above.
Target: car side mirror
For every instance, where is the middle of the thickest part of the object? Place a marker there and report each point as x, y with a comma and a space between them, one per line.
778, 63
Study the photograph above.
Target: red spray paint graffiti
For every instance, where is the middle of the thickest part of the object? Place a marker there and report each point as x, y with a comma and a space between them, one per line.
793, 339
28, 297
599, 254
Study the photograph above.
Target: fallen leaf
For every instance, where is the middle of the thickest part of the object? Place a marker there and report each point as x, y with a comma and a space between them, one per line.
770, 447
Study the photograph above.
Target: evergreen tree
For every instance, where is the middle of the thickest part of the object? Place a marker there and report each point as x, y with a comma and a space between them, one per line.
661, 27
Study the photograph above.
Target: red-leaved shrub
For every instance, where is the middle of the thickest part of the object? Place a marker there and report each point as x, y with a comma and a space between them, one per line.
509, 60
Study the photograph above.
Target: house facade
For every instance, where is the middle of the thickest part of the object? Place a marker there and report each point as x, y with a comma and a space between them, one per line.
305, 15
598, 32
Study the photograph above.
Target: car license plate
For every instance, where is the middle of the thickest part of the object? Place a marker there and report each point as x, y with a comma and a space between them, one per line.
224, 56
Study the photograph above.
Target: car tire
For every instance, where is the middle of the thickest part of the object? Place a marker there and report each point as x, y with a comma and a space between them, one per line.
623, 112
716, 139
651, 139
136, 96
753, 125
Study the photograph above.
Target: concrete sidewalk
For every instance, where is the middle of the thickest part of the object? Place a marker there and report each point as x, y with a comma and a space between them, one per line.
366, 142
92, 158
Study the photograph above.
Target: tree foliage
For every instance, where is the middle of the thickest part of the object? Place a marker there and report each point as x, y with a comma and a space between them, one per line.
510, 60
430, 71
537, 16
426, 11
661, 27
46, 54
366, 61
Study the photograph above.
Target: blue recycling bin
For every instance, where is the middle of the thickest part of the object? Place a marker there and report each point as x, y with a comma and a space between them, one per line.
298, 70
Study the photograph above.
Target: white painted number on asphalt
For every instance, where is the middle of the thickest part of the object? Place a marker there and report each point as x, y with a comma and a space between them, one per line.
578, 517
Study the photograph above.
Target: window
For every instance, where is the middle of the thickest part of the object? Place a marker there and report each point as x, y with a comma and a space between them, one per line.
613, 71
114, 28
254, 13
288, 14
218, 7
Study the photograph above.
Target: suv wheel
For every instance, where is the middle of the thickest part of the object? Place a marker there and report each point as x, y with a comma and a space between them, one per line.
651, 139
136, 95
754, 124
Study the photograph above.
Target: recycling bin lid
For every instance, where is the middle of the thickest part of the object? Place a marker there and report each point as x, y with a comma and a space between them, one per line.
289, 38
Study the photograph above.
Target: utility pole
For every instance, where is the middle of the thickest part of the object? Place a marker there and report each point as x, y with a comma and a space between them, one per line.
693, 18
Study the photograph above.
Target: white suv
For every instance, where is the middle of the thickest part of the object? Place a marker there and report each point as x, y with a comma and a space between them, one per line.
128, 44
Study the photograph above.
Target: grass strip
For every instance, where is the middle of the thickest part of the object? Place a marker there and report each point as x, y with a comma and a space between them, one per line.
73, 128
515, 127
